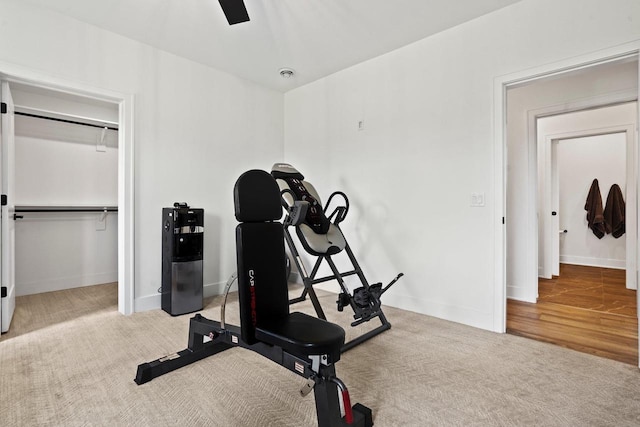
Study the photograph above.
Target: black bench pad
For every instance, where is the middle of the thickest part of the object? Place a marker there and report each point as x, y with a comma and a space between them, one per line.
303, 335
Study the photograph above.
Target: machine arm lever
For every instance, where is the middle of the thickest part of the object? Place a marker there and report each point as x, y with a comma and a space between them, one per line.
391, 283
339, 212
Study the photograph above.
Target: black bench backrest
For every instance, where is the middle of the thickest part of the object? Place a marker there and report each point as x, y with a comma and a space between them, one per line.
262, 280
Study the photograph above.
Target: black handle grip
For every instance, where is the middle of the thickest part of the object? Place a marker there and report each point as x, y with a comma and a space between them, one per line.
16, 216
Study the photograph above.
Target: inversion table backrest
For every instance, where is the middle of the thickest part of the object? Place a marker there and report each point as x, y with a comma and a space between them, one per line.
317, 234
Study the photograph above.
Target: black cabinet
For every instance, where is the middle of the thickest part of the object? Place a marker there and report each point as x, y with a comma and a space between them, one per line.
182, 243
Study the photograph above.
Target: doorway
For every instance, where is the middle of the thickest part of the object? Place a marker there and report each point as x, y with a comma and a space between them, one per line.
578, 271
582, 299
573, 150
124, 107
575, 91
61, 180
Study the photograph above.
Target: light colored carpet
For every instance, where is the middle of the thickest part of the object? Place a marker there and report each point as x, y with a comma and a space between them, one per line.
70, 360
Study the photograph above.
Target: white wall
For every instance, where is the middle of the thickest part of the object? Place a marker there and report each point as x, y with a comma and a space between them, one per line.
196, 129
65, 250
580, 160
58, 164
428, 145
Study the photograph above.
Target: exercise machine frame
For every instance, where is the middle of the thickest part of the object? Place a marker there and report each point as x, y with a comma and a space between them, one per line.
320, 377
370, 307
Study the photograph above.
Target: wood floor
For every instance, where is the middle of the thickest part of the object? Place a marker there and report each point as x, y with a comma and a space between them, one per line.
586, 309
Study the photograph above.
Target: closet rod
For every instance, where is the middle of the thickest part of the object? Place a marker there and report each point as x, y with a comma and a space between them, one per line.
37, 116
66, 209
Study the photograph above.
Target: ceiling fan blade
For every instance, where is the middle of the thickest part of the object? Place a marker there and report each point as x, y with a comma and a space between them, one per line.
234, 10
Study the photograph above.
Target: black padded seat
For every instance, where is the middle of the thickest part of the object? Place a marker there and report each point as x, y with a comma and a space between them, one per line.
303, 335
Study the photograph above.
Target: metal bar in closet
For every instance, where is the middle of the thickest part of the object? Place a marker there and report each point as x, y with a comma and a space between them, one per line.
66, 209
37, 116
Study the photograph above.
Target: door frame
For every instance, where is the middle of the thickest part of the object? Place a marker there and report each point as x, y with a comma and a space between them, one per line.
548, 236
501, 84
125, 102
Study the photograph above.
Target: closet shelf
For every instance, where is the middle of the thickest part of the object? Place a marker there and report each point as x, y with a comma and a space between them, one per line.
66, 209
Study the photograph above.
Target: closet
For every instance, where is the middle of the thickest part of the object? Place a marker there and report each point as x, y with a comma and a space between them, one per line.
66, 190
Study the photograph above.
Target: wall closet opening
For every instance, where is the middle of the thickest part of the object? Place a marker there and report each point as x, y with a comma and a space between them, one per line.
573, 292
66, 202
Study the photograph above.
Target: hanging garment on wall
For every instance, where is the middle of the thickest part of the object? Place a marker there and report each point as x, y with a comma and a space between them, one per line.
614, 212
595, 214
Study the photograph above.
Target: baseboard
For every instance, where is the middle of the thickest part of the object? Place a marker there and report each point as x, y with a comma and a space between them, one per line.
295, 277
620, 264
154, 302
213, 289
146, 303
330, 286
61, 283
454, 313
520, 293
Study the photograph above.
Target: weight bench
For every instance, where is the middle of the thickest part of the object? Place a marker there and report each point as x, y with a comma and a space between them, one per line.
322, 237
305, 345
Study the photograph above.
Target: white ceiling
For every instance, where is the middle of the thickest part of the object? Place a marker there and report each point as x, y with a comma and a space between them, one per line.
314, 37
